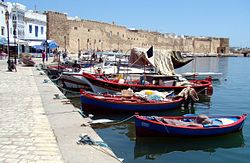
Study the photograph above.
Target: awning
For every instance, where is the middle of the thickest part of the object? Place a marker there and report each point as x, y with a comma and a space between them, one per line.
33, 43
38, 47
16, 41
50, 43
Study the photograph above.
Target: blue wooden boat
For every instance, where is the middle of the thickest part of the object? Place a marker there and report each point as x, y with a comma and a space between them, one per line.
147, 126
119, 103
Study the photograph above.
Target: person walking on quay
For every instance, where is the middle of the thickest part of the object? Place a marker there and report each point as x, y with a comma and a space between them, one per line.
47, 56
43, 56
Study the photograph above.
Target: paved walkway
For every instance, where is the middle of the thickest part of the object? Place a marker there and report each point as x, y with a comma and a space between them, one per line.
34, 127
25, 134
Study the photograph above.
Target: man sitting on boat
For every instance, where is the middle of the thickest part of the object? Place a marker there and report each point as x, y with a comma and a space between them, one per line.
98, 71
76, 67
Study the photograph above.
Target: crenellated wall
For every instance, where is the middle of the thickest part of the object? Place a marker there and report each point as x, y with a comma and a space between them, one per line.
76, 34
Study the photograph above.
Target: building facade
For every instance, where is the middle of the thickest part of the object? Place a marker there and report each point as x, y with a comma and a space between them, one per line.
17, 18
35, 26
26, 27
74, 34
3, 26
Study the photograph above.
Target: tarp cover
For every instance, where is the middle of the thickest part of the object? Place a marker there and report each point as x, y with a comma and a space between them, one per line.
161, 60
50, 43
2, 40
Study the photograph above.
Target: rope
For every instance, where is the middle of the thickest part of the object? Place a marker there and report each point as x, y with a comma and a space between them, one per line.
119, 122
56, 78
87, 140
159, 119
201, 91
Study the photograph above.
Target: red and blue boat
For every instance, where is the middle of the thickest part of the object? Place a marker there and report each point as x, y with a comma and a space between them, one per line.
118, 103
101, 83
148, 126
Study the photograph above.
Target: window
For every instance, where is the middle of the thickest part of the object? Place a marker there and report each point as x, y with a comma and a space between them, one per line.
75, 28
42, 30
36, 31
14, 32
2, 31
14, 17
88, 30
30, 28
117, 33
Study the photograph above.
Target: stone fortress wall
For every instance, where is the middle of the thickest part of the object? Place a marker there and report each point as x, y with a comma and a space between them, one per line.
76, 34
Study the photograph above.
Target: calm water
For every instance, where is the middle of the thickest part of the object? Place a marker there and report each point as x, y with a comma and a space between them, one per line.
231, 97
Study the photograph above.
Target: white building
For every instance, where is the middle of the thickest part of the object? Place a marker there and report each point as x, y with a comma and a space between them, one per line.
16, 20
26, 27
35, 27
3, 27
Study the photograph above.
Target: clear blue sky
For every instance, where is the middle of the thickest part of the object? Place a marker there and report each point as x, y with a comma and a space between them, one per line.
219, 18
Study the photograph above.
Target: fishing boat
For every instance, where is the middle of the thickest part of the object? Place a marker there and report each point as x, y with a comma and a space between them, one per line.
126, 103
202, 75
28, 61
101, 83
178, 60
147, 126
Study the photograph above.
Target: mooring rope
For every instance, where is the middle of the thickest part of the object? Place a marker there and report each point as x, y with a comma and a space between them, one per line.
117, 122
87, 140
57, 78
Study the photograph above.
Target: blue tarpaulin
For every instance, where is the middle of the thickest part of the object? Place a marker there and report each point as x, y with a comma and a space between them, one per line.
50, 43
3, 40
38, 47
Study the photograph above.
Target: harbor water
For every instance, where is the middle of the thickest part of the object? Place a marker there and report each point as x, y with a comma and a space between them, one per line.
231, 96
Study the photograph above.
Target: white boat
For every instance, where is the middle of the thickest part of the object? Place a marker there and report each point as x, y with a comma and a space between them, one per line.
74, 80
202, 75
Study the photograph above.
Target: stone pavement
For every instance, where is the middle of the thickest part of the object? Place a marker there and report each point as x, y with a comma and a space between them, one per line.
34, 127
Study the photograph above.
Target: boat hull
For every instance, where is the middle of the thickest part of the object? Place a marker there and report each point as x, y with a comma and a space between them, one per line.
73, 81
148, 128
28, 62
103, 86
101, 105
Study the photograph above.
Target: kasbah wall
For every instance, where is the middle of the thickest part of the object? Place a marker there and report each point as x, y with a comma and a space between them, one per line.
76, 34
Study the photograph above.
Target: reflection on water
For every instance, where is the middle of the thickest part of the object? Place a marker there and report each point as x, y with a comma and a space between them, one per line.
203, 64
229, 97
151, 148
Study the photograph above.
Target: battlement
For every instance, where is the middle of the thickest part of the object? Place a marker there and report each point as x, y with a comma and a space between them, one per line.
74, 34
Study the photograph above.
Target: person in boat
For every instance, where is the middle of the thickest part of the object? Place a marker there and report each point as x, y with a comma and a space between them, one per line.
100, 60
119, 65
76, 67
79, 54
98, 71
